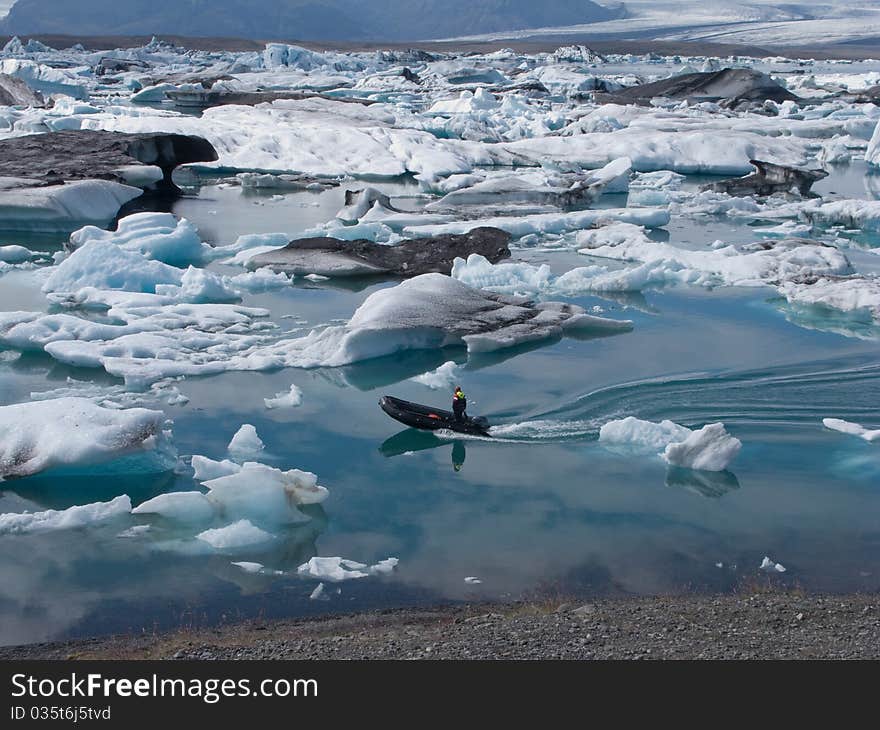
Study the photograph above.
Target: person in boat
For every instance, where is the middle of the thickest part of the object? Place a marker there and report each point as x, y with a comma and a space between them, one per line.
459, 404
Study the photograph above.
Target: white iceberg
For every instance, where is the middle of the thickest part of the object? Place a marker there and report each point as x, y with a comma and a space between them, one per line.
158, 236
710, 448
249, 567
51, 520
853, 429
289, 399
339, 569
75, 432
189, 507
434, 311
245, 441
771, 566
241, 534
445, 376
54, 208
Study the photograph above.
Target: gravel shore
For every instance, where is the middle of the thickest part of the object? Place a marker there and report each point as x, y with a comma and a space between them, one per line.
759, 626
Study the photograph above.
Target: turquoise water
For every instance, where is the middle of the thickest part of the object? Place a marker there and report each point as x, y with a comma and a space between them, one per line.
541, 509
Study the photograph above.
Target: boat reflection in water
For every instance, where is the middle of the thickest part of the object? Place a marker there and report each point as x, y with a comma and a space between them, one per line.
412, 439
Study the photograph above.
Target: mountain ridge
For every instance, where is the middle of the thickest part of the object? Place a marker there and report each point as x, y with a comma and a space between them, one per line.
318, 20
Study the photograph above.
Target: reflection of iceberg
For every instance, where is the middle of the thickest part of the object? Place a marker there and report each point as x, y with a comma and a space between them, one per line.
705, 483
856, 324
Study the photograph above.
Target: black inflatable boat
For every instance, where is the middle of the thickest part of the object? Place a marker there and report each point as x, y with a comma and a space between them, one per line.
431, 419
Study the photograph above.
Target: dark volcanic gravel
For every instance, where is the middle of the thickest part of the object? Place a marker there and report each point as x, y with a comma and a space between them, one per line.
758, 626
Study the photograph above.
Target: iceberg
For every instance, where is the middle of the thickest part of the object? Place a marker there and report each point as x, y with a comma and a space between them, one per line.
548, 223
339, 569
250, 491
872, 154
241, 534
710, 448
444, 376
159, 236
246, 441
77, 433
433, 311
61, 208
85, 515
289, 399
188, 507
853, 429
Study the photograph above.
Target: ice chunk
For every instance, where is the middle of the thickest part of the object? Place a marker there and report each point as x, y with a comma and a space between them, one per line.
853, 429
289, 399
74, 432
770, 566
159, 236
241, 534
433, 311
318, 593
264, 493
249, 567
339, 569
103, 265
755, 265
190, 507
53, 208
642, 435
246, 441
528, 280
43, 78
472, 580
444, 376
15, 254
710, 448
206, 468
547, 223
72, 517
857, 294
872, 154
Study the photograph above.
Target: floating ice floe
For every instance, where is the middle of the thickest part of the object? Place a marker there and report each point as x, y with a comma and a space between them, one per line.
710, 448
770, 566
339, 569
52, 520
472, 580
433, 311
76, 433
528, 280
289, 399
27, 206
159, 236
246, 442
444, 376
872, 154
853, 429
548, 223
253, 490
241, 534
249, 567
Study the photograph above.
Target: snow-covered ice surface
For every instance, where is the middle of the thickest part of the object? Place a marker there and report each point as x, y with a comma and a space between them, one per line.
731, 327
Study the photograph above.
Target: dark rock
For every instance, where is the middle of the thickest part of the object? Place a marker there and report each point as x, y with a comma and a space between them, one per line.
333, 257
15, 92
93, 154
770, 178
731, 85
410, 76
108, 65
